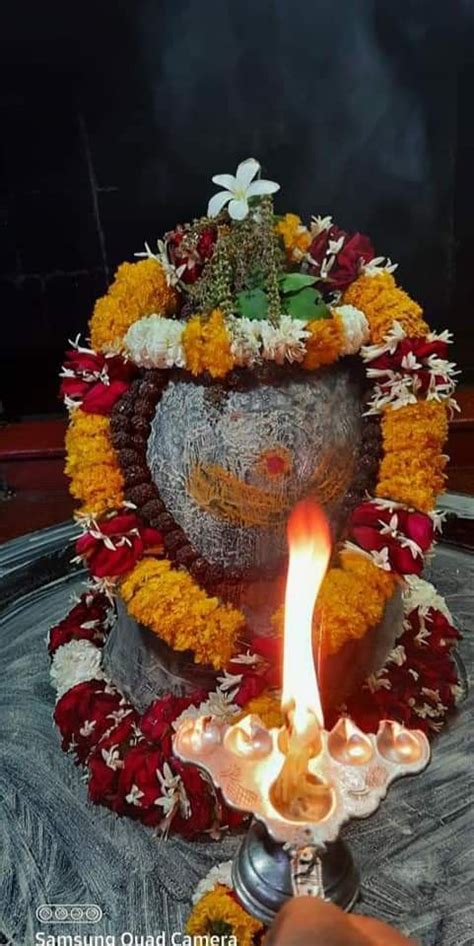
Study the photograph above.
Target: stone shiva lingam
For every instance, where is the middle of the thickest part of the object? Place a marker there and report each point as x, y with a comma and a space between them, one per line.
301, 782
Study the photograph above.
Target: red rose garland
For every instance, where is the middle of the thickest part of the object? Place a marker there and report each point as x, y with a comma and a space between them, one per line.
131, 767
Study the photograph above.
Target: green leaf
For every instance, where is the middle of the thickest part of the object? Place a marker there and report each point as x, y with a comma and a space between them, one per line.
307, 305
252, 304
293, 282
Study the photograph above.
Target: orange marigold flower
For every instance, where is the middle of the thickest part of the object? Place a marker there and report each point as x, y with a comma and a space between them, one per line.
218, 911
296, 237
412, 470
383, 302
351, 601
267, 707
91, 463
325, 344
207, 345
171, 603
138, 289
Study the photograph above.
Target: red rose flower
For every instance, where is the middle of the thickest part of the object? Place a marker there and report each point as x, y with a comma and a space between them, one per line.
201, 798
62, 635
84, 714
194, 259
107, 760
252, 685
374, 528
355, 250
95, 381
156, 722
114, 547
139, 787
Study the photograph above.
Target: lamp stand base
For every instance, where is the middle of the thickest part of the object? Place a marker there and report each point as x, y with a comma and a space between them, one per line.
266, 874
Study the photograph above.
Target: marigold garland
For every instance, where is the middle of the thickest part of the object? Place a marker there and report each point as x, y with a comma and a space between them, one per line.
351, 601
96, 478
180, 612
207, 345
414, 476
296, 237
139, 289
383, 303
325, 344
218, 913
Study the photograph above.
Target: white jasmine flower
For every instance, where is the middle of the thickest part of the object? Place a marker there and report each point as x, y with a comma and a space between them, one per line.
134, 796
173, 793
221, 874
397, 656
239, 189
173, 273
379, 264
318, 224
74, 663
421, 595
112, 758
356, 328
246, 341
228, 681
155, 342
284, 341
220, 705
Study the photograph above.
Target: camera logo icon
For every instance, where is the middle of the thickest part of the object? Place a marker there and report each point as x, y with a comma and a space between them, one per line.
69, 913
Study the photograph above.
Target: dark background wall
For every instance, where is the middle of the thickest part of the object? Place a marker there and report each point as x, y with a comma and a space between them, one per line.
114, 116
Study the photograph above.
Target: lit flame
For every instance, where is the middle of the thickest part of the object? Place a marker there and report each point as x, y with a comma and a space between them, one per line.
309, 541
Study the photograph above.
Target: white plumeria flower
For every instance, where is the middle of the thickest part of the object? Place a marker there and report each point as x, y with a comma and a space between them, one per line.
239, 189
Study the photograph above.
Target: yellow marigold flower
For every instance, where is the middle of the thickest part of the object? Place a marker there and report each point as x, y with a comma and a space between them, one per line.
325, 344
296, 237
267, 707
383, 302
207, 345
412, 470
171, 603
217, 913
138, 289
91, 463
351, 601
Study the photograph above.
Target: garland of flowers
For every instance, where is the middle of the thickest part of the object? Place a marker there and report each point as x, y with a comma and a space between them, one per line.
131, 543
128, 756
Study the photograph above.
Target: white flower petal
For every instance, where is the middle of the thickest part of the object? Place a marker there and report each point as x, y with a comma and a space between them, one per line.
246, 172
225, 180
258, 188
217, 202
238, 209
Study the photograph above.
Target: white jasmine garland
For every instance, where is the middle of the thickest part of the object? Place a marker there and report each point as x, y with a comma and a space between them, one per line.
356, 328
75, 663
246, 341
219, 875
285, 341
155, 342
